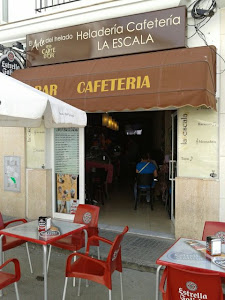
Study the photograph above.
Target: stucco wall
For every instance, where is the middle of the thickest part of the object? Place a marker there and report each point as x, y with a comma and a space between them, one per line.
197, 201
12, 144
39, 193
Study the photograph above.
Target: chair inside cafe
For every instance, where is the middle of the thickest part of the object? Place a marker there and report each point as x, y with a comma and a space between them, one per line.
144, 180
98, 183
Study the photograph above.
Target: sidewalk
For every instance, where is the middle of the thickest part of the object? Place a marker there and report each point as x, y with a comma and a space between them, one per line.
139, 254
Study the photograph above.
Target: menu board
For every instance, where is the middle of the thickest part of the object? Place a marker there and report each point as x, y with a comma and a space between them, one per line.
67, 150
197, 142
35, 146
67, 169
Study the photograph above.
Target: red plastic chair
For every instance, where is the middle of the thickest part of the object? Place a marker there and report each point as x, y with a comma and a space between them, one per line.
8, 278
96, 270
214, 228
182, 284
217, 229
85, 214
9, 242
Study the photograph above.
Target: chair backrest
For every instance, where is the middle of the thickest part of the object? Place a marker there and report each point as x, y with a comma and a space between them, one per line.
99, 175
114, 256
87, 214
214, 228
9, 278
1, 222
183, 284
145, 179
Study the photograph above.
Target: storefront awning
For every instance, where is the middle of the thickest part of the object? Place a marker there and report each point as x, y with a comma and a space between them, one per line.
164, 79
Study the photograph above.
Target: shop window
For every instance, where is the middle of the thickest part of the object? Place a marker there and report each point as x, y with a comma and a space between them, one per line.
4, 11
46, 4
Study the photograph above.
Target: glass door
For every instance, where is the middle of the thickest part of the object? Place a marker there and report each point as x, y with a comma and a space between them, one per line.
173, 166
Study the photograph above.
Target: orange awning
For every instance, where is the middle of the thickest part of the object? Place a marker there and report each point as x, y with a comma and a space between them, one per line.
164, 79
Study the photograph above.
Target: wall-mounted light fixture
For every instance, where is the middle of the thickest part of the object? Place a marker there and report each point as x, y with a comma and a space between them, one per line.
105, 118
109, 122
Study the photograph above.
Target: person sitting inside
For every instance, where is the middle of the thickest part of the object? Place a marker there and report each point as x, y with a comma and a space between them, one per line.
145, 166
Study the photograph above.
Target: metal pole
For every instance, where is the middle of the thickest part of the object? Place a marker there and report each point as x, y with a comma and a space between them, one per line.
1, 255
157, 283
45, 270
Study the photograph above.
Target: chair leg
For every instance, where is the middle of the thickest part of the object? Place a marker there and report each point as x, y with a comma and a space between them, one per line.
135, 195
121, 285
151, 204
65, 286
103, 194
3, 257
28, 255
78, 293
16, 290
135, 206
136, 200
151, 198
74, 279
110, 294
49, 254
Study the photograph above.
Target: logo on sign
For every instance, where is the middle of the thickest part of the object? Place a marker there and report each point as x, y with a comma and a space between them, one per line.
191, 286
115, 254
190, 293
48, 52
87, 217
221, 234
10, 56
9, 63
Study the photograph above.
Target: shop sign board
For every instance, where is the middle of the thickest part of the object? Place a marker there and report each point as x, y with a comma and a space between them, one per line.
150, 31
9, 63
197, 142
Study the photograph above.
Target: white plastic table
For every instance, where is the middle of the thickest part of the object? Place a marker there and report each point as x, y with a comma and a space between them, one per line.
182, 255
29, 232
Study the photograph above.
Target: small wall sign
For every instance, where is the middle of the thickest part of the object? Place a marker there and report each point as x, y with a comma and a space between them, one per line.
12, 173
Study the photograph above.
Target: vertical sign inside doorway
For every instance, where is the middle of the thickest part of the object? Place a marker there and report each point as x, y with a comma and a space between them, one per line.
198, 142
67, 169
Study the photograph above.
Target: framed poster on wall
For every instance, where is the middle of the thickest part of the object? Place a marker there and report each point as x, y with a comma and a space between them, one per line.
12, 173
67, 200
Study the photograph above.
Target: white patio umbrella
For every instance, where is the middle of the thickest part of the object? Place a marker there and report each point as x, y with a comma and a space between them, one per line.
24, 106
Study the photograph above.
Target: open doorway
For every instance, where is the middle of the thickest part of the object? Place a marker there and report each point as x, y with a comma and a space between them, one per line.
121, 150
